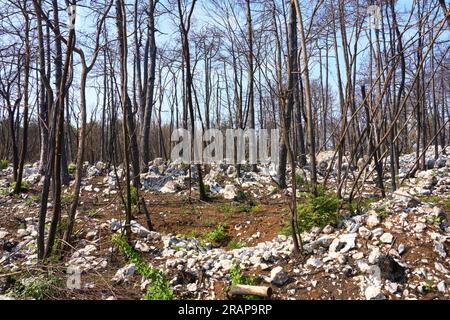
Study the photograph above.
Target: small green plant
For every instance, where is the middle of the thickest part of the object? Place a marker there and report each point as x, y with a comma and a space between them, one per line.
62, 226
39, 287
241, 196
207, 190
218, 236
4, 164
286, 229
185, 211
134, 196
235, 244
191, 234
358, 205
71, 168
227, 208
66, 200
428, 286
93, 213
36, 198
382, 211
299, 180
318, 211
24, 186
256, 208
430, 199
447, 204
29, 202
178, 248
238, 277
159, 288
435, 220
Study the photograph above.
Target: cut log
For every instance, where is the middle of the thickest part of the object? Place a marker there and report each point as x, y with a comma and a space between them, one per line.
244, 290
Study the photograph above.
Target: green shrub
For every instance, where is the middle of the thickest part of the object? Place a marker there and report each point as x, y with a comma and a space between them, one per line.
218, 236
4, 164
66, 199
286, 229
234, 244
71, 168
255, 208
247, 206
382, 211
299, 180
431, 199
40, 287
93, 213
241, 196
159, 288
24, 186
318, 211
435, 220
447, 204
227, 208
207, 190
428, 286
238, 277
134, 196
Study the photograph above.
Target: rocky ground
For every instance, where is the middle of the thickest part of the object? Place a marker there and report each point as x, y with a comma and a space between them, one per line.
392, 248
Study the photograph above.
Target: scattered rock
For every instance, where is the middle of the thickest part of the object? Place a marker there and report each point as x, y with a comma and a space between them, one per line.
343, 243
372, 220
328, 229
377, 232
364, 232
229, 192
191, 287
442, 287
124, 273
440, 249
3, 234
314, 262
420, 227
278, 276
387, 238
374, 255
374, 293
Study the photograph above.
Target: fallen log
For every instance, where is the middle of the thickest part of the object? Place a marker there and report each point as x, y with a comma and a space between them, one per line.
244, 290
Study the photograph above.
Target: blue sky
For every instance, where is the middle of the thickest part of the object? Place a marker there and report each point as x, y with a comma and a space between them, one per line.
169, 34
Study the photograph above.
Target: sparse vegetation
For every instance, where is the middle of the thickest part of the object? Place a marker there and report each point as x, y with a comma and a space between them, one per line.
428, 286
71, 168
299, 180
134, 196
218, 237
238, 277
4, 164
447, 204
382, 211
40, 287
434, 199
318, 211
66, 200
235, 244
435, 220
24, 186
159, 288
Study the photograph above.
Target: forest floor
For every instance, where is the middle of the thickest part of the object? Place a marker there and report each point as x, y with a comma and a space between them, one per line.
394, 248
